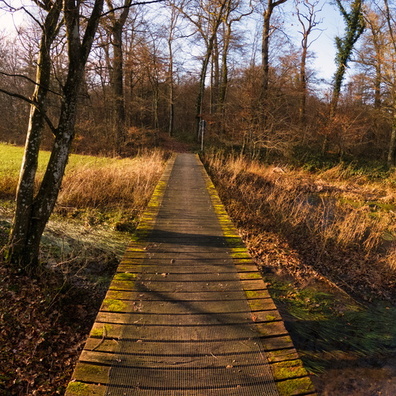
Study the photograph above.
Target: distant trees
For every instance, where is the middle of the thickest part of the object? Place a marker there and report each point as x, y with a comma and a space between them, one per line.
136, 72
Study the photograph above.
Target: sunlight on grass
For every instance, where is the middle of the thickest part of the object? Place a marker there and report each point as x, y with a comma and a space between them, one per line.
335, 207
326, 243
100, 196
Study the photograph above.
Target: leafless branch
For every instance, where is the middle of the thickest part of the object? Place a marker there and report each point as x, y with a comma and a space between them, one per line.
131, 5
32, 103
28, 79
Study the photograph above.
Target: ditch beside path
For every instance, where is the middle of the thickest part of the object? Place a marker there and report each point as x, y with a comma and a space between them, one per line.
187, 312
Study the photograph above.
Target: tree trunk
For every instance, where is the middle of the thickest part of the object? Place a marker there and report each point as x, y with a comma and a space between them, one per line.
201, 91
117, 74
32, 214
265, 50
44, 202
303, 90
21, 228
171, 97
205, 63
353, 30
392, 143
118, 89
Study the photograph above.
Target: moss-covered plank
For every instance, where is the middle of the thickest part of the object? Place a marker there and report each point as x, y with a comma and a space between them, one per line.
77, 388
92, 372
268, 329
261, 304
277, 343
296, 387
282, 355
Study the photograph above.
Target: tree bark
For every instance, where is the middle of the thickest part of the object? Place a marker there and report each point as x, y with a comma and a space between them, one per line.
33, 212
117, 73
267, 14
18, 253
354, 28
392, 143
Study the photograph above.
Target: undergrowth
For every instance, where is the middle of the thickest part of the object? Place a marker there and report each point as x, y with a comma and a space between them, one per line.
344, 226
325, 241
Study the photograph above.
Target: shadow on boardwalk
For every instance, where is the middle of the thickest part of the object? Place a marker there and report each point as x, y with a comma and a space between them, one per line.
187, 312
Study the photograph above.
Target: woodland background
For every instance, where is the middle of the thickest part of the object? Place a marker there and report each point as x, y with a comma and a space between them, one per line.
163, 66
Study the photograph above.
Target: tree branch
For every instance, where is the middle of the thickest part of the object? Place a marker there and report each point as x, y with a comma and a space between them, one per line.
32, 103
131, 5
343, 11
28, 79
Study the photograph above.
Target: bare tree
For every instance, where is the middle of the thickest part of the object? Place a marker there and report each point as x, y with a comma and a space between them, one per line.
307, 16
172, 30
233, 14
265, 43
206, 16
115, 22
34, 209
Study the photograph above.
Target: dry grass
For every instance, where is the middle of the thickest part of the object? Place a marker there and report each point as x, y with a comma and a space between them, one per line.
44, 322
110, 185
118, 182
342, 225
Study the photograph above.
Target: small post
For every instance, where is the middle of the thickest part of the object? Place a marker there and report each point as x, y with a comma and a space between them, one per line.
202, 127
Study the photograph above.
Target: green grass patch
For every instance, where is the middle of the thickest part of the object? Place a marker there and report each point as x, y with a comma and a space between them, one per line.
11, 161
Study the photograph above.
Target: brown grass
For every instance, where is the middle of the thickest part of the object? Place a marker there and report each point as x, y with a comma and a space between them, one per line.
342, 226
113, 186
115, 183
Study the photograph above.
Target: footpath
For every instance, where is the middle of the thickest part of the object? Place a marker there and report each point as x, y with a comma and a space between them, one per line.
188, 313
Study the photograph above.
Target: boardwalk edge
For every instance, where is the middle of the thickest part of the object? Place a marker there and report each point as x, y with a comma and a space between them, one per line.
91, 379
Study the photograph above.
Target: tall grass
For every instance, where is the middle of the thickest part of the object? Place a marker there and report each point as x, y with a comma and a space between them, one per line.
341, 223
97, 189
96, 182
114, 183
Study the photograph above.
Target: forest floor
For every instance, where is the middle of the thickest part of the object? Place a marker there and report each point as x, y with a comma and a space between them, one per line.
44, 321
344, 333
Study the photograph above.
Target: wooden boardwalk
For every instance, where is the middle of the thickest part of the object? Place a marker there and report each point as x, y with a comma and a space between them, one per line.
187, 312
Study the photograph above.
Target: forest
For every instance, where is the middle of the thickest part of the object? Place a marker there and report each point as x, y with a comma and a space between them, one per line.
238, 65
101, 92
